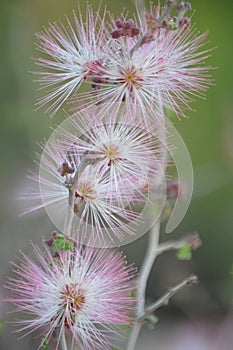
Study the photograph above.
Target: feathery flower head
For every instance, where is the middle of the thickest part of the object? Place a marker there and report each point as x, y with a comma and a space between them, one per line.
149, 63
83, 291
73, 54
95, 214
161, 68
101, 157
123, 151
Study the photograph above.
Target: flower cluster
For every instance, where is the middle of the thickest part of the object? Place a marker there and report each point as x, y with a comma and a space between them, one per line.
150, 64
125, 28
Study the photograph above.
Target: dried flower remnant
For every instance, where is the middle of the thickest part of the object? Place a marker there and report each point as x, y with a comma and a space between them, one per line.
86, 291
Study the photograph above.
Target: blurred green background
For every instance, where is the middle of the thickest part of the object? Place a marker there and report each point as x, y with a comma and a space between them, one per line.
208, 134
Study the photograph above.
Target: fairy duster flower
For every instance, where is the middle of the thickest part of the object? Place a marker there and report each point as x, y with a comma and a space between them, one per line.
83, 292
123, 151
96, 207
162, 67
72, 55
148, 63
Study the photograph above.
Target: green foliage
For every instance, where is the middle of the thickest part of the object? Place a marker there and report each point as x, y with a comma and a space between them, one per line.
133, 294
152, 319
125, 328
61, 243
45, 344
60, 236
185, 252
173, 25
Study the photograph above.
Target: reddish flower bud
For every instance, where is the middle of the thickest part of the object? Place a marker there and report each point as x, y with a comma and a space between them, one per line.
194, 241
129, 24
119, 23
149, 18
51, 240
185, 22
116, 34
134, 31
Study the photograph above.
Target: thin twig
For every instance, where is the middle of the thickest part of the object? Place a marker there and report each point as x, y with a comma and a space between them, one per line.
170, 245
193, 240
71, 200
155, 24
148, 262
151, 253
164, 300
150, 257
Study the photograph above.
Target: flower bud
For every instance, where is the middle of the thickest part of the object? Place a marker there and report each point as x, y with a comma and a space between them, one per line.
194, 241
129, 24
185, 22
116, 34
119, 23
149, 18
134, 31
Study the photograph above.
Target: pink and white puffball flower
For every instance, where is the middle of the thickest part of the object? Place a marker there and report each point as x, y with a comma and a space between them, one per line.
166, 71
72, 54
84, 292
96, 208
123, 151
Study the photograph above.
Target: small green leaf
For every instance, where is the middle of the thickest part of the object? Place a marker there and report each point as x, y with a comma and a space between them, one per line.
185, 252
60, 236
69, 245
45, 344
133, 293
115, 348
60, 244
152, 319
125, 327
173, 25
58, 261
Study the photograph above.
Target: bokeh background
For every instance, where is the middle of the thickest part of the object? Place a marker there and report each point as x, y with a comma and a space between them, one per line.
199, 318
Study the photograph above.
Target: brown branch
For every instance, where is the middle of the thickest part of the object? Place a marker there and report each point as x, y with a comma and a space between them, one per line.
192, 239
71, 200
164, 300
